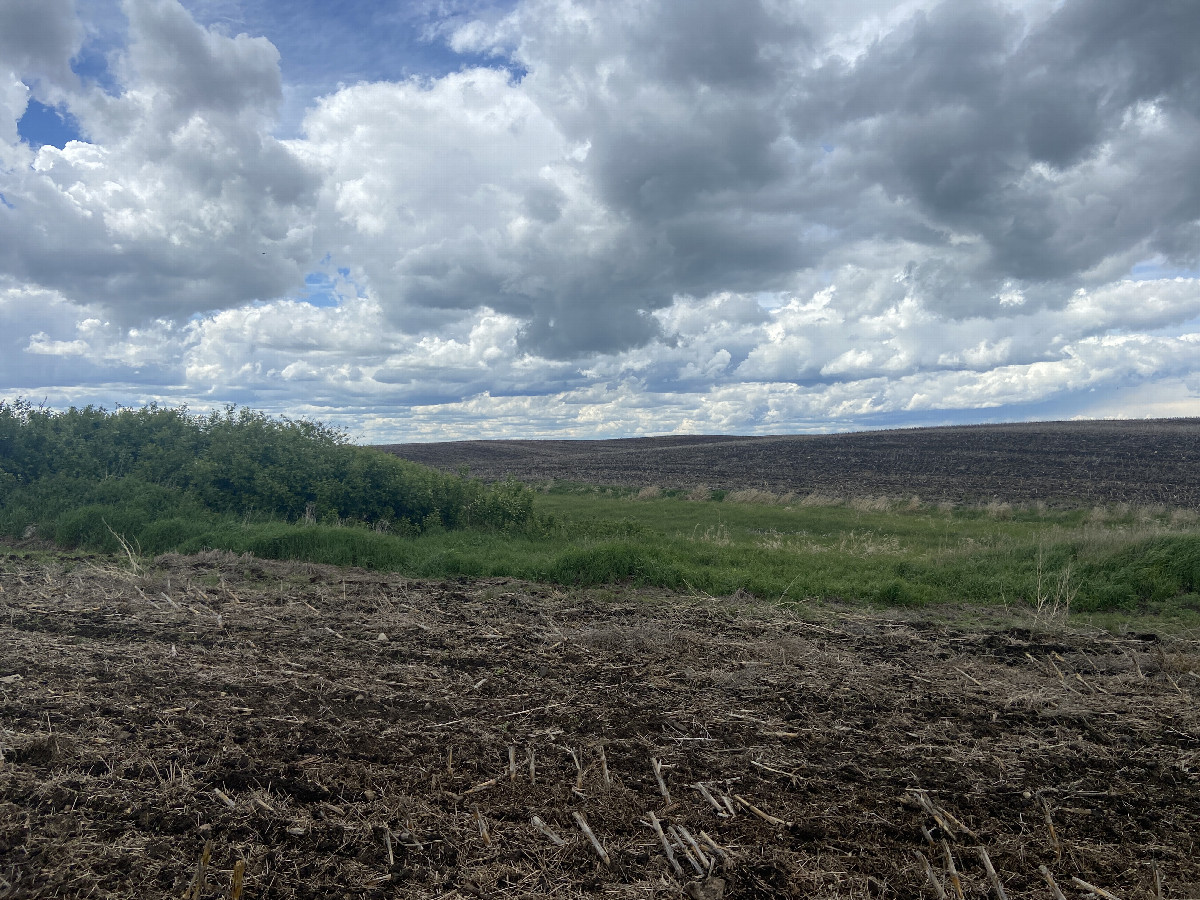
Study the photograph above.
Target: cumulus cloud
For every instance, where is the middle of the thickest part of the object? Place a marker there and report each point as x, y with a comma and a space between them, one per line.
1058, 144
38, 38
181, 201
619, 217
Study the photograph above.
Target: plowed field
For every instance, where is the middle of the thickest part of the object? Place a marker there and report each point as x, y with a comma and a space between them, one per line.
343, 734
1076, 463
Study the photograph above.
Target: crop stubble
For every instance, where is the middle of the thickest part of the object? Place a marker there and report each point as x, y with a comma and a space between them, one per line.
287, 734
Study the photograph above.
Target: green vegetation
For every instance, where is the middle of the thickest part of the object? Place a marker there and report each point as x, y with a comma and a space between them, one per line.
895, 553
162, 480
164, 477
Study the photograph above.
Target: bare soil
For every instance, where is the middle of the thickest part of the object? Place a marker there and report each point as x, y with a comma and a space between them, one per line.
347, 734
1076, 463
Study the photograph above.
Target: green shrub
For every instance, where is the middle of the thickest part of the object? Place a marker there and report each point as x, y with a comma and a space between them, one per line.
152, 463
173, 534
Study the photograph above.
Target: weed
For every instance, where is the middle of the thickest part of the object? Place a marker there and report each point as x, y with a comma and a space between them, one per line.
718, 535
135, 561
868, 543
1054, 594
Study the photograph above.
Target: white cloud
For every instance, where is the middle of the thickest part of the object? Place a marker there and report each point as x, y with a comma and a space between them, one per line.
41, 343
14, 98
182, 202
660, 216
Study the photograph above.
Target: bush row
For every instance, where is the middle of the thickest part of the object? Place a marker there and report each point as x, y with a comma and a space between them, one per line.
163, 463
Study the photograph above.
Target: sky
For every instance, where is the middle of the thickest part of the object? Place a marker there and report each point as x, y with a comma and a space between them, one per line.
455, 219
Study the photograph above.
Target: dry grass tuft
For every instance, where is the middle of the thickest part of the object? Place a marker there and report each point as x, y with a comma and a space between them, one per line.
816, 498
1055, 592
755, 496
1184, 517
997, 509
717, 535
871, 504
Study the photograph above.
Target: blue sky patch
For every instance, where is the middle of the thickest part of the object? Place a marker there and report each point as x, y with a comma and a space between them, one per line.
91, 65
323, 44
1151, 269
42, 125
320, 290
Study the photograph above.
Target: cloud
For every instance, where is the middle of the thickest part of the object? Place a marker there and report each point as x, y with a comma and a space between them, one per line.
38, 38
182, 70
181, 202
1034, 138
629, 215
14, 98
461, 193
990, 147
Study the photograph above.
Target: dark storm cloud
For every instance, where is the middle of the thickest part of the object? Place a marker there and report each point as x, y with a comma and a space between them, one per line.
678, 104
655, 168
576, 323
716, 43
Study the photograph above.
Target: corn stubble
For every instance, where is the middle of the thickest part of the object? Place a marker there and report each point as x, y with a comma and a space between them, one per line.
512, 739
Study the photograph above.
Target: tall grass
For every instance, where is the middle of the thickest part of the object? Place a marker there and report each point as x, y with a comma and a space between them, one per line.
1044, 561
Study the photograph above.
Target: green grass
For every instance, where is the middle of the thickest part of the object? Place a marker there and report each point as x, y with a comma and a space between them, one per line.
1114, 562
893, 554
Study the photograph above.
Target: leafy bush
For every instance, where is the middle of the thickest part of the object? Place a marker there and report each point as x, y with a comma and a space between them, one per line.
70, 472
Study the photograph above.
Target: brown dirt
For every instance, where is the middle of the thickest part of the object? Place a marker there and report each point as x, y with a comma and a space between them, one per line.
127, 703
1077, 463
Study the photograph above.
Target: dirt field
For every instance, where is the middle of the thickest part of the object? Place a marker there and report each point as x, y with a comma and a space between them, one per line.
345, 734
1079, 463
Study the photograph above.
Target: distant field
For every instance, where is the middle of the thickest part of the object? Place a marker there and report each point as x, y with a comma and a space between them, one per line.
1062, 463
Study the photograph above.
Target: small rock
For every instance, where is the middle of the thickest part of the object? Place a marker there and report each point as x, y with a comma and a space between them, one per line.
382, 638
369, 795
